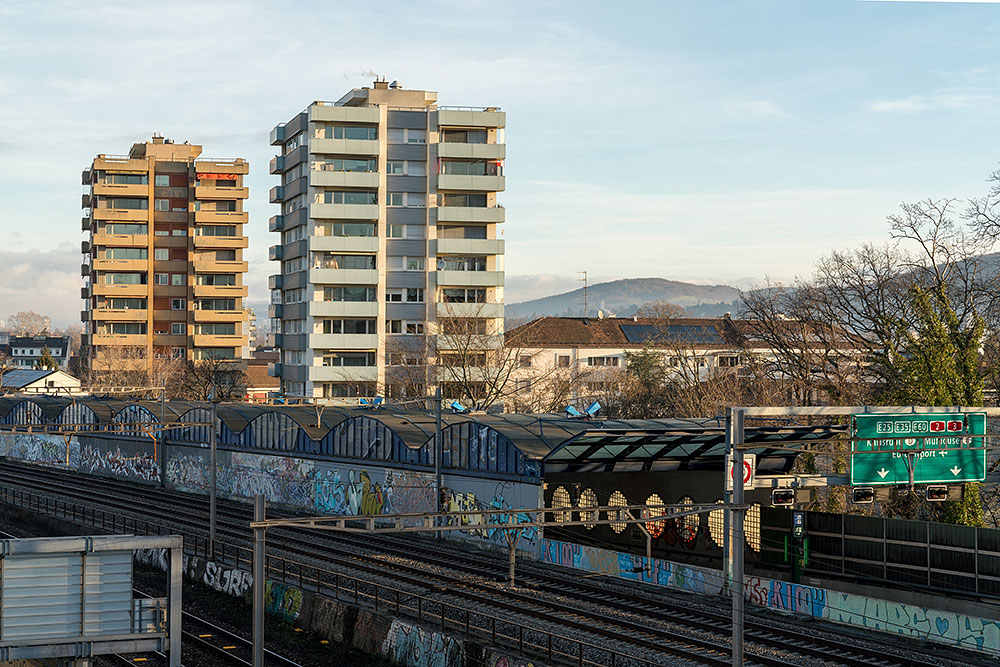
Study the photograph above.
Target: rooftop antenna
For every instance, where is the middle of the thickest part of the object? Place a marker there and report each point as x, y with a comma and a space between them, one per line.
584, 279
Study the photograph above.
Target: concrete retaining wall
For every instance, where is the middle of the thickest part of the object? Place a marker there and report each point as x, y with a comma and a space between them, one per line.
947, 627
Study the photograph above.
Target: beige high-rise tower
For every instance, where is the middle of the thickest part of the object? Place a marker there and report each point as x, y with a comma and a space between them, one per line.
163, 267
390, 246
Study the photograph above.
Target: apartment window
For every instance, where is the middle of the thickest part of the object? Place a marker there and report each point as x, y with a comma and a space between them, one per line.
216, 304
293, 265
123, 304
394, 167
159, 231
562, 361
215, 230
128, 203
293, 295
394, 296
414, 263
178, 304
472, 168
349, 293
407, 136
178, 279
349, 359
414, 295
162, 204
463, 295
396, 231
522, 385
216, 329
127, 179
228, 206
161, 254
350, 197
293, 143
524, 361
225, 255
461, 231
179, 231
394, 326
464, 263
217, 279
357, 229
355, 132
177, 352
214, 353
116, 278
729, 361
414, 328
394, 199
162, 278
178, 328
602, 361
162, 180
407, 199
462, 326
464, 199
366, 326
322, 260
416, 168
125, 328
121, 228
463, 136
345, 164
125, 253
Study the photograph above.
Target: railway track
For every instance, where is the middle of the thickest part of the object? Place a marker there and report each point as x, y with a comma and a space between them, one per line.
669, 636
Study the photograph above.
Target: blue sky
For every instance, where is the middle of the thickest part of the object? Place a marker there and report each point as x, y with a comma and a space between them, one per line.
702, 141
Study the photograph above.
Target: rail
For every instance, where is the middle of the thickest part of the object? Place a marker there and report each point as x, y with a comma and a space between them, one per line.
465, 108
528, 640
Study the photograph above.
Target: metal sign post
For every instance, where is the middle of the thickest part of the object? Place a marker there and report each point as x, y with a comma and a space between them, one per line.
212, 469
736, 541
258, 582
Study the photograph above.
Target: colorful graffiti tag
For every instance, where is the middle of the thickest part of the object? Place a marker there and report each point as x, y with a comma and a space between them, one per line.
40, 448
414, 646
143, 467
883, 615
491, 529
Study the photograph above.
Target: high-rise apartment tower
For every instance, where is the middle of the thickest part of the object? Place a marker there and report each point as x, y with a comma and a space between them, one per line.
389, 228
163, 267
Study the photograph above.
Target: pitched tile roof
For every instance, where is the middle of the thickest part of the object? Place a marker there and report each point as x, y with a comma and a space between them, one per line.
625, 332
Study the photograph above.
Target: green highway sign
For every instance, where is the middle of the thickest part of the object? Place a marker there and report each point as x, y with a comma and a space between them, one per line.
936, 434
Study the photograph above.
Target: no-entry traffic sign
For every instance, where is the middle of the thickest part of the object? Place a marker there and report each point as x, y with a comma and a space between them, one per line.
749, 471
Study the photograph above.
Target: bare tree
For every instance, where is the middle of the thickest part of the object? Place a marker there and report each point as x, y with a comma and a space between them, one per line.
660, 310
29, 323
213, 379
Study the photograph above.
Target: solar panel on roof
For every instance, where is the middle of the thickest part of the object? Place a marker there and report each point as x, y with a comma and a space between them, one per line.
681, 333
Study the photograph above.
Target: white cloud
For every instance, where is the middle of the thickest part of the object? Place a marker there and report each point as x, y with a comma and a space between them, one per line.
750, 108
949, 101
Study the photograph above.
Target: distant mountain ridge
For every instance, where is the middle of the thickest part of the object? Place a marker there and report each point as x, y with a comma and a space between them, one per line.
623, 297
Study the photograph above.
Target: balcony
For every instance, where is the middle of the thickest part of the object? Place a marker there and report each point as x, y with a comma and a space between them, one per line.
275, 281
463, 182
220, 291
274, 369
274, 310
220, 242
118, 339
124, 214
343, 179
275, 223
344, 211
219, 341
85, 201
485, 310
230, 217
470, 247
275, 339
277, 135
465, 342
344, 341
120, 264
471, 118
84, 292
344, 243
85, 247
86, 224
470, 278
85, 270
343, 276
275, 252
219, 192
343, 308
343, 373
116, 190
119, 315
104, 289
276, 165
472, 151
328, 113
212, 265
222, 166
86, 177
121, 240
218, 315
120, 164
493, 214
276, 194
366, 147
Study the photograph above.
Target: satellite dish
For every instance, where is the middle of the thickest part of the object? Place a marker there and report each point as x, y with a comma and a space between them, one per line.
600, 314
441, 264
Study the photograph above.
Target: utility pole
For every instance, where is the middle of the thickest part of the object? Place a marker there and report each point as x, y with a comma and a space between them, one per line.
437, 457
737, 540
585, 304
258, 583
163, 432
212, 465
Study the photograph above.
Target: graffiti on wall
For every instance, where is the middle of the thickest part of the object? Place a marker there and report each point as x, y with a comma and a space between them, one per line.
783, 596
281, 479
143, 467
282, 600
405, 644
40, 448
487, 526
188, 473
